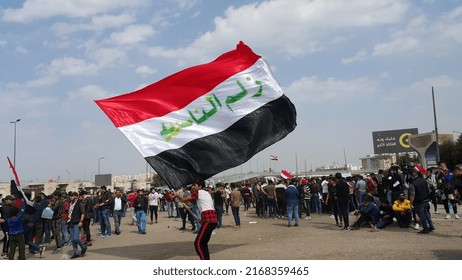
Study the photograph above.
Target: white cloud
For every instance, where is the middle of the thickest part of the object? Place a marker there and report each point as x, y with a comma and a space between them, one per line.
312, 89
21, 50
70, 66
42, 82
161, 52
17, 100
439, 82
132, 34
398, 45
43, 9
301, 27
360, 56
145, 70
89, 92
106, 57
97, 23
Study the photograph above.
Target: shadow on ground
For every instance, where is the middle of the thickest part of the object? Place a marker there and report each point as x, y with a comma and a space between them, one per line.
163, 251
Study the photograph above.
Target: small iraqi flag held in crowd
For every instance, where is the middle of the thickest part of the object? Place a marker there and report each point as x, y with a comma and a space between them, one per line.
420, 168
205, 119
286, 175
273, 157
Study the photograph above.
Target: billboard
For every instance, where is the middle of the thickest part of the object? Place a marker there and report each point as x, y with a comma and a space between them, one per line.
103, 180
393, 141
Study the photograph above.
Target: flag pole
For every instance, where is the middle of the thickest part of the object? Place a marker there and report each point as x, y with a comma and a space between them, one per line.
436, 128
296, 164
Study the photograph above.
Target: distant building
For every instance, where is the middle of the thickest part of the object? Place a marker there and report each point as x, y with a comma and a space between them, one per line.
373, 163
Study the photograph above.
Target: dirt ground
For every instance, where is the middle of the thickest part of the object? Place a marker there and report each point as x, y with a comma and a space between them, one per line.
269, 239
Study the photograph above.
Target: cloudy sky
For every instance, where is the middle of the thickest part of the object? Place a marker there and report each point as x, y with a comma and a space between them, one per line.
350, 67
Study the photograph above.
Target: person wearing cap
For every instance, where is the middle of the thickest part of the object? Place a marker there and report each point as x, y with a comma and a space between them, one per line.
402, 208
76, 219
209, 218
6, 213
419, 198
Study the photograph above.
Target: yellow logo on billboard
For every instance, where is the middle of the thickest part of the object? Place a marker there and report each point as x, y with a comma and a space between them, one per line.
404, 140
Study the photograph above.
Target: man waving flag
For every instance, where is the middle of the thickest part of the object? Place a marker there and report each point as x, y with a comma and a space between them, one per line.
205, 119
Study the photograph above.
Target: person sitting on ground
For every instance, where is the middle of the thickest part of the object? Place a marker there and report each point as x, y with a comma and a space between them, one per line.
402, 208
368, 213
386, 215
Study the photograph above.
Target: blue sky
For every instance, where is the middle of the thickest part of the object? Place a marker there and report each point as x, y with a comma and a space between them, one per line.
350, 67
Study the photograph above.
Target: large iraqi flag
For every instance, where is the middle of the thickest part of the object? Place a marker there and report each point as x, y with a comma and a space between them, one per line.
205, 119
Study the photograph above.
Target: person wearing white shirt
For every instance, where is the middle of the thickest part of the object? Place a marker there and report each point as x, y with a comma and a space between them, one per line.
118, 204
154, 202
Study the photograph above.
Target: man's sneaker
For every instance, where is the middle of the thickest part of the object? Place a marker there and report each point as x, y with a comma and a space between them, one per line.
308, 218
456, 216
57, 250
431, 228
437, 212
89, 244
75, 256
41, 251
423, 232
448, 216
416, 227
346, 229
84, 250
101, 235
108, 236
4, 256
374, 228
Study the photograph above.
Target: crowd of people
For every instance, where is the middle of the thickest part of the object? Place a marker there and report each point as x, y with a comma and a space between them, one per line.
401, 195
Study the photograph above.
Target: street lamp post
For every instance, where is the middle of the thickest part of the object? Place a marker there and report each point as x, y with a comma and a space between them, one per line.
68, 176
99, 164
14, 146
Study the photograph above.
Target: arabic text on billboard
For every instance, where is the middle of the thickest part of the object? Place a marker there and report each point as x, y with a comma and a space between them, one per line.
393, 141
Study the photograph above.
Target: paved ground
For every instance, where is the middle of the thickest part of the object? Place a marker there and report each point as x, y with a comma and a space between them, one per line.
268, 239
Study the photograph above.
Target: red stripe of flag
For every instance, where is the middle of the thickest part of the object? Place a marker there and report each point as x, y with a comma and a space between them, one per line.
178, 90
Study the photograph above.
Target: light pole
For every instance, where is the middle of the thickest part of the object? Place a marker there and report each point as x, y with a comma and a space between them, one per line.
99, 164
68, 176
14, 152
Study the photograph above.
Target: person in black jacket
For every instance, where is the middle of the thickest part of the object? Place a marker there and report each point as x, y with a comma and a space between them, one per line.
343, 198
6, 212
76, 218
419, 194
56, 204
104, 207
141, 209
88, 206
